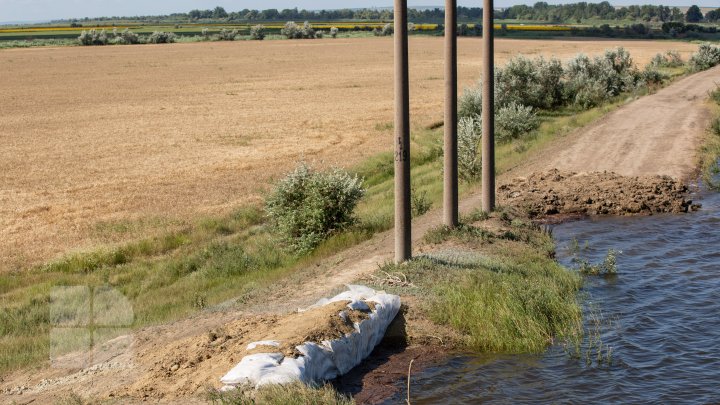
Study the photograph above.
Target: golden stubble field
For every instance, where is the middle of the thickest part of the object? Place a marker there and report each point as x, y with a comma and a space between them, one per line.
105, 144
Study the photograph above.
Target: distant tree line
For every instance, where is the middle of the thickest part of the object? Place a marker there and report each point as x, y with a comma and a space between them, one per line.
540, 11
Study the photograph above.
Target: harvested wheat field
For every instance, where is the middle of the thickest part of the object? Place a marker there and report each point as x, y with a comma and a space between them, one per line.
105, 144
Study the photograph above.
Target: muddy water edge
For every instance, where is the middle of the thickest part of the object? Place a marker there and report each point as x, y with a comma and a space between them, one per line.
652, 331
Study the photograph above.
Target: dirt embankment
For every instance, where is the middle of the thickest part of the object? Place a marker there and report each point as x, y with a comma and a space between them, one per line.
563, 193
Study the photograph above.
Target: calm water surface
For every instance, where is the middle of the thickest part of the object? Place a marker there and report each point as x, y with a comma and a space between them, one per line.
660, 315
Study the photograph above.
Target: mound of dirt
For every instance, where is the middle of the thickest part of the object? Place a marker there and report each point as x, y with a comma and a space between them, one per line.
597, 193
315, 325
192, 365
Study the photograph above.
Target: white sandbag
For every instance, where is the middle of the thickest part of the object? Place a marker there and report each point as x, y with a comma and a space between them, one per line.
267, 343
328, 359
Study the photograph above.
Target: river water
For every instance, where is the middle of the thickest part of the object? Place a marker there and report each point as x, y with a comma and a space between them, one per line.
660, 316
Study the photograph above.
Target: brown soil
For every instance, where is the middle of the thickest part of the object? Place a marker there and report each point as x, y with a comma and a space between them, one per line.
381, 376
653, 135
165, 364
597, 193
107, 144
315, 325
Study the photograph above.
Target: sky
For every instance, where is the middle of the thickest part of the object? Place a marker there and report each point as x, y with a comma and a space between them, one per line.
38, 10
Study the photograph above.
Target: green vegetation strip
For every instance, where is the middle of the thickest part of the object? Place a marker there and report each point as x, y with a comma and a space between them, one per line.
710, 150
502, 290
281, 395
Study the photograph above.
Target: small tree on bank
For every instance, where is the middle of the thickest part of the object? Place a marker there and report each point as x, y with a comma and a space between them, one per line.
307, 206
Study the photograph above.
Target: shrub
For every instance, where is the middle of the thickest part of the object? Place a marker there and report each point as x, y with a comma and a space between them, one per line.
547, 92
228, 35
706, 57
160, 37
514, 120
469, 159
658, 60
715, 94
93, 37
536, 83
590, 82
470, 103
586, 92
307, 31
319, 34
669, 59
127, 37
620, 61
673, 59
334, 32
607, 268
419, 203
463, 30
583, 87
205, 33
652, 76
291, 30
387, 30
257, 32
306, 207
513, 80
294, 31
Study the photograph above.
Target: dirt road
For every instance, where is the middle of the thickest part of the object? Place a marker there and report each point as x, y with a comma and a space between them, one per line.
654, 135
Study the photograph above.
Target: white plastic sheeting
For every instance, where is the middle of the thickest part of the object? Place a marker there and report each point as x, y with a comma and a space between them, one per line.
326, 360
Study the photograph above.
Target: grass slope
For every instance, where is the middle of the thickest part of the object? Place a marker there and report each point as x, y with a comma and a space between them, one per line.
495, 280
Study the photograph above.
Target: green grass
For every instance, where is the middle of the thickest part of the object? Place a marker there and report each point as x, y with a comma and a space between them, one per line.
37, 42
710, 149
299, 394
608, 268
501, 290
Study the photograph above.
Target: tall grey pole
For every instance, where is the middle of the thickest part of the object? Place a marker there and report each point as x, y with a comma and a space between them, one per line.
488, 110
450, 199
402, 136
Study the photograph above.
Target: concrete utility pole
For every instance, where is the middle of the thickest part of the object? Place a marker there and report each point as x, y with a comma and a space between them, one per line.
403, 248
488, 109
450, 199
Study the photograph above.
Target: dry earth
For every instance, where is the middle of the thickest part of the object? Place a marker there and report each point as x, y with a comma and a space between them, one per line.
654, 135
106, 144
557, 193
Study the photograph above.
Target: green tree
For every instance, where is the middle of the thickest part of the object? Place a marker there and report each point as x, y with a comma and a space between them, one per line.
693, 14
676, 15
713, 15
219, 12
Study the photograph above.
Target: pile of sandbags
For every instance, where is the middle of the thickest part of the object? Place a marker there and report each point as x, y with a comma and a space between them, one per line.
315, 362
